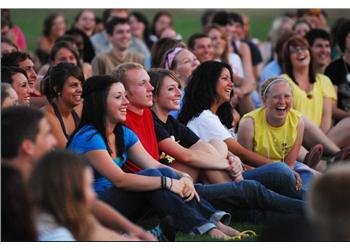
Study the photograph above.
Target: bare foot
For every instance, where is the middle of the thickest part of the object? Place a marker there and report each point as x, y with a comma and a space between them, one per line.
227, 229
216, 233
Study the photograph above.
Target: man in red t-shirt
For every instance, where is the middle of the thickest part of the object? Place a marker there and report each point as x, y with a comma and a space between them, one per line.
139, 117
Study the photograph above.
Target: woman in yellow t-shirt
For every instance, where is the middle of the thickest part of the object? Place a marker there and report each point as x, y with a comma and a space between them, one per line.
275, 130
313, 95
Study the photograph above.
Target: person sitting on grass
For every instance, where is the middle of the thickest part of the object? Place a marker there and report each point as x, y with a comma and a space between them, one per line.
275, 130
61, 188
107, 144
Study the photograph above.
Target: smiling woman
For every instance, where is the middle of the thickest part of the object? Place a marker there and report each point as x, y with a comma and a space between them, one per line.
63, 88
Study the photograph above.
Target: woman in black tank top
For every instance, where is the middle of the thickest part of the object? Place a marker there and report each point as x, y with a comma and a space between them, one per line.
63, 88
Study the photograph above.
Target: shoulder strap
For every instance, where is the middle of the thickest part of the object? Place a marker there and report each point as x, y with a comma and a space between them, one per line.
59, 117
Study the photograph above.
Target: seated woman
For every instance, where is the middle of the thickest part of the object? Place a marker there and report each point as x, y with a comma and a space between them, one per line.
61, 186
275, 130
18, 80
63, 89
183, 150
66, 50
313, 95
207, 112
107, 144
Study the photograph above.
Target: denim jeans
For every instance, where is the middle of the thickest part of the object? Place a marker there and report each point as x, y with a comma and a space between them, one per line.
189, 217
276, 176
249, 195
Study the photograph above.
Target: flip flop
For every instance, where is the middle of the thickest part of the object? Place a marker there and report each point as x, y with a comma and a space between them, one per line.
242, 235
314, 156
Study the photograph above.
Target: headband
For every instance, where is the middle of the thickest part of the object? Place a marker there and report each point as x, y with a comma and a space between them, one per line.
170, 55
279, 79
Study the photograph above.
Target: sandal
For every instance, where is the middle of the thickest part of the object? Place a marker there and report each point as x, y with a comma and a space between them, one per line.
314, 156
242, 235
341, 155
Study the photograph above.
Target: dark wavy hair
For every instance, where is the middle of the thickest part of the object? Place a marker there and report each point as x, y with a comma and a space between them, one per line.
54, 80
294, 41
95, 92
200, 93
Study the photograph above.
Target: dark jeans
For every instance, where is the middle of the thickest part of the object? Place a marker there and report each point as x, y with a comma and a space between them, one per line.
276, 176
189, 217
248, 195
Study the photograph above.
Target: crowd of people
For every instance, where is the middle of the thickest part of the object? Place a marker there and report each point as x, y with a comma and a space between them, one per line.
118, 130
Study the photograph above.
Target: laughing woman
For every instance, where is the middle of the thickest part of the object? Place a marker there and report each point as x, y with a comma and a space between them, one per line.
181, 148
63, 89
207, 112
107, 144
275, 131
313, 94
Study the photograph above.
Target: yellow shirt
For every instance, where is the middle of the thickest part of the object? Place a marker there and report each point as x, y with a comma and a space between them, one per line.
274, 142
312, 108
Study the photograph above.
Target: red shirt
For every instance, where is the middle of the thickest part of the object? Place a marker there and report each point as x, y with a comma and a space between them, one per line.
143, 127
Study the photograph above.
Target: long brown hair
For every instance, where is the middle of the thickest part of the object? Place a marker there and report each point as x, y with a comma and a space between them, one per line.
295, 41
57, 189
225, 55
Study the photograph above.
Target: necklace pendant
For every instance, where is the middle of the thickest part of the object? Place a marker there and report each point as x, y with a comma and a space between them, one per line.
348, 77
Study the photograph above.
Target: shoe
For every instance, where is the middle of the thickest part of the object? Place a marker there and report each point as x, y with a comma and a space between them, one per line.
342, 155
165, 230
314, 156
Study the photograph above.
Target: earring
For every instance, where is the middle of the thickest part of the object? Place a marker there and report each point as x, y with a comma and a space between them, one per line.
59, 93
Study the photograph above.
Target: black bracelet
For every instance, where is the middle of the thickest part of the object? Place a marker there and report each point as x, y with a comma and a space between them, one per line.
161, 182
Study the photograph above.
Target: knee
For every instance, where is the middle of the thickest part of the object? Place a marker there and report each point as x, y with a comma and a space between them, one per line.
150, 172
282, 170
167, 172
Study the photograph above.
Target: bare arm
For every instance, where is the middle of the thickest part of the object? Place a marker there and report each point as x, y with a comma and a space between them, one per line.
326, 121
104, 164
246, 155
114, 220
194, 158
293, 153
245, 134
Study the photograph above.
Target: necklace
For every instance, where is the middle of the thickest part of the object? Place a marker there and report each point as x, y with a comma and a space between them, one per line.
283, 147
347, 71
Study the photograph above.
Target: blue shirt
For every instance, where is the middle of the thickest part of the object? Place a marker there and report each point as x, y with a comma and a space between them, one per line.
89, 139
271, 69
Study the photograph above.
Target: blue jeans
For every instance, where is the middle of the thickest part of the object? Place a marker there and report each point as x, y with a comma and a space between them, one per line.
276, 176
189, 217
250, 195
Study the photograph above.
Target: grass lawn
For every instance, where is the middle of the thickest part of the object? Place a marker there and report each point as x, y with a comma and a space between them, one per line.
186, 21
241, 227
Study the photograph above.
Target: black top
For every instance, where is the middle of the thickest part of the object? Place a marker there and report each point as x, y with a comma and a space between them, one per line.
337, 72
173, 128
59, 117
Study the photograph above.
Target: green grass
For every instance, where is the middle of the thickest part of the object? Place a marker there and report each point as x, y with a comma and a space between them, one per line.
241, 227
186, 21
